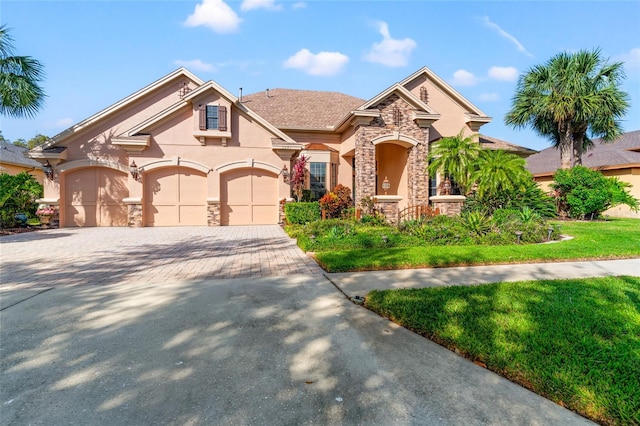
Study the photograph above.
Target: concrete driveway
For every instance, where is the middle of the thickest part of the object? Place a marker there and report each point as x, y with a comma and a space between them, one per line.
278, 349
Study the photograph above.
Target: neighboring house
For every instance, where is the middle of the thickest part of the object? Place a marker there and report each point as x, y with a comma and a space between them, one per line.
182, 151
13, 160
620, 158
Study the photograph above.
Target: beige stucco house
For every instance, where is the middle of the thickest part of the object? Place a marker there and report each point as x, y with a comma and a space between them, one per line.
619, 158
14, 160
182, 151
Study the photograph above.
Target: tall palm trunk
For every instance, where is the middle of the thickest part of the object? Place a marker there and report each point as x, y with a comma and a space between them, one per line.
565, 143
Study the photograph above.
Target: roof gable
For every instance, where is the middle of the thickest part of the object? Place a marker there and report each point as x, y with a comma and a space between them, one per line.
120, 105
429, 75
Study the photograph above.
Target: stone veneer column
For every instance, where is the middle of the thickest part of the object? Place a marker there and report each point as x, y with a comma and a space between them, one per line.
365, 166
450, 205
213, 212
282, 217
418, 179
134, 212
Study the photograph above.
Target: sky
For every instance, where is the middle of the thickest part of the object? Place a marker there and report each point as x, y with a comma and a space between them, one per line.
97, 52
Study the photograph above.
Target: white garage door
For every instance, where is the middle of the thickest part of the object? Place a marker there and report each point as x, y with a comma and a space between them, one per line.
249, 197
175, 196
93, 197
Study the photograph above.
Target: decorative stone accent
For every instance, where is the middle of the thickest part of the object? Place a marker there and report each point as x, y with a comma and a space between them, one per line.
213, 212
450, 205
387, 205
282, 218
134, 209
396, 117
135, 215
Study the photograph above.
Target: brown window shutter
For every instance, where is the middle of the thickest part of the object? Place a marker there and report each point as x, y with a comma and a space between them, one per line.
202, 112
222, 118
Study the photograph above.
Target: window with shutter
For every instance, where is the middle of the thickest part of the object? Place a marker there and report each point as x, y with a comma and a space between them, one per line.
212, 117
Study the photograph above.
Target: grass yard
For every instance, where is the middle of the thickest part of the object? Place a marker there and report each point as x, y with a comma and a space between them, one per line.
612, 239
576, 342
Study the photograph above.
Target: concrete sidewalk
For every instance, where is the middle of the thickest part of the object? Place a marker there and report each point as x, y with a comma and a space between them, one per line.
360, 283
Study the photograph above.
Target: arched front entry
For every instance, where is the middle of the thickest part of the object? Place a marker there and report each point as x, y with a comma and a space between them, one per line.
392, 164
175, 196
248, 196
93, 197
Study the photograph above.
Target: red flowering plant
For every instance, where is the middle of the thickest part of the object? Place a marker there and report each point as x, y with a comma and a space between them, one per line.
298, 174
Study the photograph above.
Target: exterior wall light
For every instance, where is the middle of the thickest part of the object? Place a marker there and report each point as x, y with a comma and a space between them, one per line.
386, 185
48, 170
285, 174
135, 172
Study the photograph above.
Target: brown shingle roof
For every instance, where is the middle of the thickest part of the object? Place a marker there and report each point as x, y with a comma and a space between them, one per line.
302, 109
623, 151
488, 142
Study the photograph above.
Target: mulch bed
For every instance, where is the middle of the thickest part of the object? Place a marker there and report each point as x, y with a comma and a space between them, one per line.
14, 231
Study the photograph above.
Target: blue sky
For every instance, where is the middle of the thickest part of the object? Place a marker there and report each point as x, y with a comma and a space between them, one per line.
98, 52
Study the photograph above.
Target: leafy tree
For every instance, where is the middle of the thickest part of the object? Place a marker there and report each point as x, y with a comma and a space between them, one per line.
582, 192
298, 174
455, 156
17, 195
498, 171
3, 139
20, 93
38, 139
572, 96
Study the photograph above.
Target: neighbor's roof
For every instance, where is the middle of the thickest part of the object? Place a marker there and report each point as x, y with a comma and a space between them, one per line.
488, 142
302, 109
624, 151
13, 154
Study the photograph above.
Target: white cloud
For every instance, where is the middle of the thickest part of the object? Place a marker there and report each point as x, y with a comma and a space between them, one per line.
463, 78
322, 63
216, 15
63, 122
390, 52
299, 5
194, 65
259, 4
503, 73
503, 33
489, 97
631, 59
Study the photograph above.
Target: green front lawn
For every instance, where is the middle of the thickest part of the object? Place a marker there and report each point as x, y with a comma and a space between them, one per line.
576, 342
611, 239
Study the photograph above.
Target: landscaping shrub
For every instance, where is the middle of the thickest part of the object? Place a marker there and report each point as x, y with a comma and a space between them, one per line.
584, 193
530, 196
336, 201
17, 195
301, 213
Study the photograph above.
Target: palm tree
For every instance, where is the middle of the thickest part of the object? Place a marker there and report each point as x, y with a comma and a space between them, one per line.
20, 93
499, 171
572, 96
455, 156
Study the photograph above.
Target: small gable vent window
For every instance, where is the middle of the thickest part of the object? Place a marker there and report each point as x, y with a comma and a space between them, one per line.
424, 96
213, 117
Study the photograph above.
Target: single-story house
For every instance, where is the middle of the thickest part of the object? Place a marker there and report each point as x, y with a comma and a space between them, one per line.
14, 160
183, 151
619, 158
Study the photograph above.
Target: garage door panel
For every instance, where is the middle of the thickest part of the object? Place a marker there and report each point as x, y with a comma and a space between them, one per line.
264, 215
175, 196
93, 197
249, 197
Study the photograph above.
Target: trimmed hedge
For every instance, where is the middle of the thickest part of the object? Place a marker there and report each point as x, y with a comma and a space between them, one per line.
301, 213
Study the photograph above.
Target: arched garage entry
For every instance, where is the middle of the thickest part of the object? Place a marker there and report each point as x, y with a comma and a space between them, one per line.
175, 196
93, 197
249, 196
